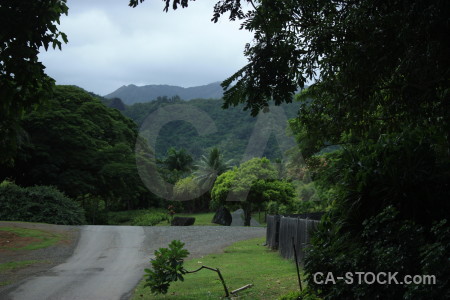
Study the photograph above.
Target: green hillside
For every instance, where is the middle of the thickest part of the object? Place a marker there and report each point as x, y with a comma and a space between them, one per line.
234, 128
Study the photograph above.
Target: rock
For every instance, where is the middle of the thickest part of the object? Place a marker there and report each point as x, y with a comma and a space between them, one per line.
182, 221
222, 217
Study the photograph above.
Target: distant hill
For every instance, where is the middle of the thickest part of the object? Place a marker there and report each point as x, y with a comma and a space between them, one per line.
131, 94
234, 128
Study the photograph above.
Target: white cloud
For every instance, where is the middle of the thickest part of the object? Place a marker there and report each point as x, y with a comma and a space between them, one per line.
111, 45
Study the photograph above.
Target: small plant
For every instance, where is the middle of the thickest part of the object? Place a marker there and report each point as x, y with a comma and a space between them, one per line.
170, 213
168, 266
151, 218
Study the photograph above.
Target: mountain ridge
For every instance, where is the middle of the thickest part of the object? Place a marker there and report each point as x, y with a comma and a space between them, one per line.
131, 94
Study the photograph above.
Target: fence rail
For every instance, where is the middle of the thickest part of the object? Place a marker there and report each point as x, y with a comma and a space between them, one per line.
282, 229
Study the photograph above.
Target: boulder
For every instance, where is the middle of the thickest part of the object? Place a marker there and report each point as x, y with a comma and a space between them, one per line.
222, 217
182, 221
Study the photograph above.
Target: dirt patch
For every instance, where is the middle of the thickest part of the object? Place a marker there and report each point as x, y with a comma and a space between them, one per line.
47, 257
9, 240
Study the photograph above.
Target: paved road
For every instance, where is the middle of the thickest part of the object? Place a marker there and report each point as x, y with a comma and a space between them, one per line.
108, 261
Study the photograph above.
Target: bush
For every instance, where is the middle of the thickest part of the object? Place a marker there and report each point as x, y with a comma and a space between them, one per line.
149, 219
389, 210
42, 204
167, 266
387, 243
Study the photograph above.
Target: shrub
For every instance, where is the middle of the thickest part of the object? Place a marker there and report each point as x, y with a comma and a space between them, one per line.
387, 243
43, 204
167, 266
149, 219
389, 210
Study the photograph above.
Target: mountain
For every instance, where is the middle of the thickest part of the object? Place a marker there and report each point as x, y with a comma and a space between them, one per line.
131, 94
235, 127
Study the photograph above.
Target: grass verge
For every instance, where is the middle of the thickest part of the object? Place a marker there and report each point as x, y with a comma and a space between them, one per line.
201, 219
246, 262
128, 217
9, 266
39, 239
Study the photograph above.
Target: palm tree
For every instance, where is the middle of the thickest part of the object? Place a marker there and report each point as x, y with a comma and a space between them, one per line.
178, 160
209, 168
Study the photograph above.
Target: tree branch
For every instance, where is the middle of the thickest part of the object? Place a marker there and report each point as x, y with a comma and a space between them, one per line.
227, 294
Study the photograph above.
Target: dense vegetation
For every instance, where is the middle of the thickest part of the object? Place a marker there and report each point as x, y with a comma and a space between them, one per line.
84, 149
38, 204
381, 92
23, 82
234, 128
253, 185
373, 128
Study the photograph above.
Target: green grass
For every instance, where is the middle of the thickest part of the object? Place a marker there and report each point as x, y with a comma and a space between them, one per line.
242, 263
9, 266
3, 283
126, 217
44, 238
201, 219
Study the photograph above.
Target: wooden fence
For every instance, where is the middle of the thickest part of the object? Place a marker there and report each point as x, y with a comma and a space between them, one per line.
282, 229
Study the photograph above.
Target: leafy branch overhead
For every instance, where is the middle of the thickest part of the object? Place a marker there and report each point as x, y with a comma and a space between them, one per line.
25, 27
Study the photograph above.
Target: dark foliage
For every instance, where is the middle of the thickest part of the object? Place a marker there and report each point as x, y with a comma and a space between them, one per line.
25, 27
386, 243
43, 204
83, 148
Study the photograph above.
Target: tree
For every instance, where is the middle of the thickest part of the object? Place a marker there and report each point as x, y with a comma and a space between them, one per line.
253, 183
178, 160
82, 147
25, 27
210, 167
382, 92
117, 103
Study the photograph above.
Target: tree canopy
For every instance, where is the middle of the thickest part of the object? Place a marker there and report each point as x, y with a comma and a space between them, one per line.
380, 102
252, 184
80, 146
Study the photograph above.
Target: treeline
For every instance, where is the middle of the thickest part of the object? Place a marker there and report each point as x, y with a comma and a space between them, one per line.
83, 148
79, 146
234, 127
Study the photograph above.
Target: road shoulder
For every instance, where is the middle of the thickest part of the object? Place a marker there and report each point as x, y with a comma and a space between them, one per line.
34, 262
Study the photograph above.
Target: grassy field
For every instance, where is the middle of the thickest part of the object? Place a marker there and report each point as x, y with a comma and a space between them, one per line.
246, 262
38, 238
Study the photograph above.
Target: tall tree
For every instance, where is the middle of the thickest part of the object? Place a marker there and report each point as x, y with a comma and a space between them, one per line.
210, 167
178, 160
252, 184
80, 146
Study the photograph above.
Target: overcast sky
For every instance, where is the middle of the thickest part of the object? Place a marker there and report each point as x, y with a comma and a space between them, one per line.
112, 44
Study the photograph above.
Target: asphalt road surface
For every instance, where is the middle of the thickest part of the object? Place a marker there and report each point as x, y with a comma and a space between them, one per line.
109, 261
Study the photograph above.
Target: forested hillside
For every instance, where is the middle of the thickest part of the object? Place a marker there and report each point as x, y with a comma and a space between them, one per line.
131, 94
234, 128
